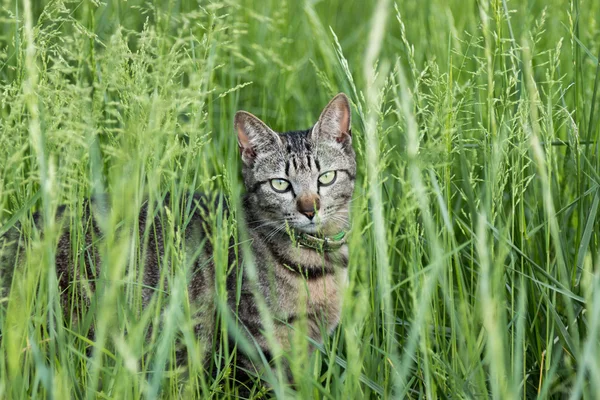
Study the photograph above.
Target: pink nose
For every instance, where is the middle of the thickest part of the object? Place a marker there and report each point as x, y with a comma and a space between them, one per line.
308, 204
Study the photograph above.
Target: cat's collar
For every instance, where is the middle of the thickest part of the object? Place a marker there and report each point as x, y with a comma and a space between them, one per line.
325, 243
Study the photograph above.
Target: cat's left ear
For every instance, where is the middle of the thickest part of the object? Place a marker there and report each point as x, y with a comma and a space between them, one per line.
334, 121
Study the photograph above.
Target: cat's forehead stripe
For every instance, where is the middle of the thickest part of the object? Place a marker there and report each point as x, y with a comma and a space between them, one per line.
299, 152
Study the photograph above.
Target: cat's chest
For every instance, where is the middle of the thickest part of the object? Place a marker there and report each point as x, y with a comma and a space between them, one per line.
292, 293
320, 299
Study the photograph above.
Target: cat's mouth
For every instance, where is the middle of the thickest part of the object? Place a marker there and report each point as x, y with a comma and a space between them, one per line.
323, 224
316, 226
311, 227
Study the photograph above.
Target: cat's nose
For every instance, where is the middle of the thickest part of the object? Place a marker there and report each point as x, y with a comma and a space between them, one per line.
308, 204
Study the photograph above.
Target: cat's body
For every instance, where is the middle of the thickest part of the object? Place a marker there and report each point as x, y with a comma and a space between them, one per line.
299, 185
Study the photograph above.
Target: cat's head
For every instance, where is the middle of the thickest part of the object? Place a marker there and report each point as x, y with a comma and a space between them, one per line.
302, 178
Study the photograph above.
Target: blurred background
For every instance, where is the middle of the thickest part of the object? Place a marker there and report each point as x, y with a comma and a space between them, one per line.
474, 248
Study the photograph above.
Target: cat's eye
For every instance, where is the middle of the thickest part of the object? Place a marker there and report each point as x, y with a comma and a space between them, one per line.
327, 178
280, 185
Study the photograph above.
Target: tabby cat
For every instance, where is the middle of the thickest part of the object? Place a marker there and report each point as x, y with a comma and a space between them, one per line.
298, 190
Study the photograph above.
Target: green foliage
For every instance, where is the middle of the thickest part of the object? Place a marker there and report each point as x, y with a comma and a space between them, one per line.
474, 268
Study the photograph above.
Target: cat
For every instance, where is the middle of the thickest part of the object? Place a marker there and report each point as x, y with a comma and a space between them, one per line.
296, 208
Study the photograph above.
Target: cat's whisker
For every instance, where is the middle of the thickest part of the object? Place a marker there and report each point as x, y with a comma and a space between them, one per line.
266, 223
342, 222
259, 221
339, 218
354, 198
275, 232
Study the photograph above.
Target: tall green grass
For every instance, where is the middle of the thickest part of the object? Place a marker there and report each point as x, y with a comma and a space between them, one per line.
474, 268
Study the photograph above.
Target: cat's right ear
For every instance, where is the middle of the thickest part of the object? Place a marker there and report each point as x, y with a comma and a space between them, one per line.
254, 136
334, 121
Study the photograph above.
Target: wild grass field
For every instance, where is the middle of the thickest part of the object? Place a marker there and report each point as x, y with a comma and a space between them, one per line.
474, 267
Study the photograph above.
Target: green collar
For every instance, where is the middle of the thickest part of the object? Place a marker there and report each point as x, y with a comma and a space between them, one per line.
326, 243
